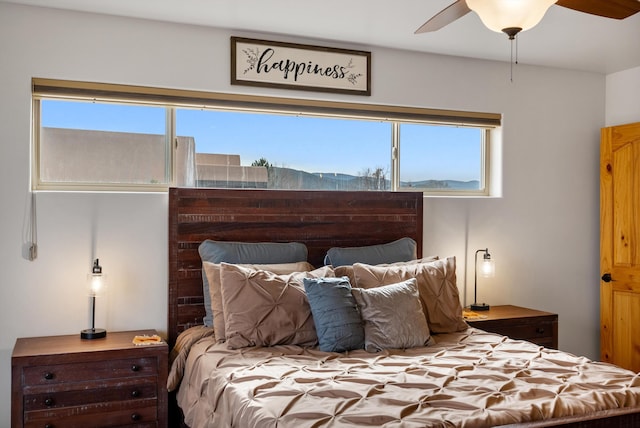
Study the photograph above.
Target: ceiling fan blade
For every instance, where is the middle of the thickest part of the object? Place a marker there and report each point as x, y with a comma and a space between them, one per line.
445, 17
617, 9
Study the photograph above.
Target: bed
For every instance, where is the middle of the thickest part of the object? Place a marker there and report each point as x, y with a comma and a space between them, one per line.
451, 375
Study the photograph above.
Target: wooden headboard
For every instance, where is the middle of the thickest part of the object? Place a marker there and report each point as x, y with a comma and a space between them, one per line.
319, 219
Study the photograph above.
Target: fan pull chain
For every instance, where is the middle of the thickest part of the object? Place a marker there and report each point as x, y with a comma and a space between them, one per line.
512, 32
516, 58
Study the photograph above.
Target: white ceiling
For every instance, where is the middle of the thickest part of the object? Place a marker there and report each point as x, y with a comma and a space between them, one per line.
564, 38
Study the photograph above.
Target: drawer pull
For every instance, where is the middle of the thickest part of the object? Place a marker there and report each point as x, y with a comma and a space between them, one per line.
48, 401
48, 375
135, 368
135, 417
540, 330
48, 425
135, 393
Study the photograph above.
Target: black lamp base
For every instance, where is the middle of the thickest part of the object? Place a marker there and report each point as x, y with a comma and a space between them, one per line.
480, 307
93, 333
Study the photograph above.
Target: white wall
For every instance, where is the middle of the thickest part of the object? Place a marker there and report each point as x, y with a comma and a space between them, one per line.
543, 231
623, 97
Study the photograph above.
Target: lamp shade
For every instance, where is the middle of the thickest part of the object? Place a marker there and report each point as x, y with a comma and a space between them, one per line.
96, 284
498, 15
96, 281
488, 268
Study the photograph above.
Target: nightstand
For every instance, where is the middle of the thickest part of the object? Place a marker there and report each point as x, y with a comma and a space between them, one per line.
520, 323
65, 381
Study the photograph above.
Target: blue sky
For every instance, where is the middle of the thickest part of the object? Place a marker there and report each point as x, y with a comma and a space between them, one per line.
306, 143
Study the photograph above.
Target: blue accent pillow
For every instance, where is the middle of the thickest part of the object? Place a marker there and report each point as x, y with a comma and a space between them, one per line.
335, 314
401, 250
245, 252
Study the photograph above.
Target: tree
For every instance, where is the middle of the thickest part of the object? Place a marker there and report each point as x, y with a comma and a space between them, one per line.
374, 179
262, 162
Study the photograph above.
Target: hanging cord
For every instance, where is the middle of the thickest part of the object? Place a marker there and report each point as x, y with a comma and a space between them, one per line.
33, 248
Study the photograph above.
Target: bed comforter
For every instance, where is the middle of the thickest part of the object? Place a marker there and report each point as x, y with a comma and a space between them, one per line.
467, 379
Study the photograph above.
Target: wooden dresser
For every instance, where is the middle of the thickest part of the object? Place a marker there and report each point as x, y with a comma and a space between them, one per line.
65, 381
520, 323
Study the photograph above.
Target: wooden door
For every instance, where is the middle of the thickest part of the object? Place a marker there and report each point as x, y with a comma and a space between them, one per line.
620, 245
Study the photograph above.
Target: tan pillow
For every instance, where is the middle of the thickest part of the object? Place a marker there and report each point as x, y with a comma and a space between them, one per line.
347, 270
212, 271
392, 316
436, 284
265, 309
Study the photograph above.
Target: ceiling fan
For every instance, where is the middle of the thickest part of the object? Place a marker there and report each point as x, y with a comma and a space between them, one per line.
513, 16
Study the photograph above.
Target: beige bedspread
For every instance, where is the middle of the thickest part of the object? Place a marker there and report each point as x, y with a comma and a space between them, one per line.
470, 379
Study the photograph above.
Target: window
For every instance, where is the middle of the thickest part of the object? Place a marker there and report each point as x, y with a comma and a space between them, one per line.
274, 151
442, 158
122, 140
101, 145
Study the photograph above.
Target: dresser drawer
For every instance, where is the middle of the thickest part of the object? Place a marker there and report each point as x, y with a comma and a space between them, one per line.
115, 414
130, 389
521, 329
536, 326
76, 372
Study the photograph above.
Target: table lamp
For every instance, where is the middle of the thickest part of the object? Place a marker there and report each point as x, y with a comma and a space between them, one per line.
96, 282
487, 270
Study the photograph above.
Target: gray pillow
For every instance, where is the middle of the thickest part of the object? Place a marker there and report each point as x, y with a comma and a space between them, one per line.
245, 252
392, 316
436, 283
335, 314
401, 250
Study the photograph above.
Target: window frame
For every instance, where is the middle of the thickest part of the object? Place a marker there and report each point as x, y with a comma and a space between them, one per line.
171, 99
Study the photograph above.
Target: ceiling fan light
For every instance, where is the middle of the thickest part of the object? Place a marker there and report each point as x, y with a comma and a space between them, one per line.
500, 14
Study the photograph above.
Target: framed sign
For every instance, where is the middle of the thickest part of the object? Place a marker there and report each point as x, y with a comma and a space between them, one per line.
294, 66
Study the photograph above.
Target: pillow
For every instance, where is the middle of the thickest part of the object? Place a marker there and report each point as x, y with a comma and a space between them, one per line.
245, 252
393, 316
265, 309
335, 314
410, 262
402, 250
180, 352
347, 270
436, 283
212, 274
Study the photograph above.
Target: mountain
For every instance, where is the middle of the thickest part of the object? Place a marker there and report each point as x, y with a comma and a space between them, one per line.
444, 184
287, 178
